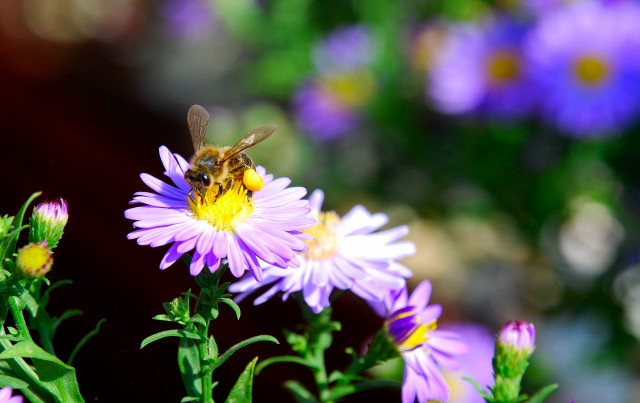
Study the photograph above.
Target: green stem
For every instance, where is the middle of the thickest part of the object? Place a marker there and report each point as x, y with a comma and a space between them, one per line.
320, 376
16, 312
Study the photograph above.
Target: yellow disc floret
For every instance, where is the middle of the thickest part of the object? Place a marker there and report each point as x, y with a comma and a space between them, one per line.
34, 260
252, 180
325, 244
226, 211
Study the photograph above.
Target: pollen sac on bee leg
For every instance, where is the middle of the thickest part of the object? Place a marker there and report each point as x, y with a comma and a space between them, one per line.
251, 180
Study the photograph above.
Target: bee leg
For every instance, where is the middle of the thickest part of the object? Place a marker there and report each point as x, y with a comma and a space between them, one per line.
219, 190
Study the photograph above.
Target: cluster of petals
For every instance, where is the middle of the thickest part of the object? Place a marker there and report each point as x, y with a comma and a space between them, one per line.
272, 233
6, 396
364, 262
422, 377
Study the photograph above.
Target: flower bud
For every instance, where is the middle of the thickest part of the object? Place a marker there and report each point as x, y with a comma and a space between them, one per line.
34, 260
48, 221
518, 336
514, 346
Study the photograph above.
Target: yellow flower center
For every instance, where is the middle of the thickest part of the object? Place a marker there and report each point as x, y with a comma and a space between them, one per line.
351, 89
503, 66
325, 244
591, 70
226, 211
406, 330
34, 260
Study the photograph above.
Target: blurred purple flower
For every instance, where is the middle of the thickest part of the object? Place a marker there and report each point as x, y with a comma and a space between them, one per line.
345, 48
479, 68
6, 396
412, 326
476, 364
321, 113
586, 60
346, 253
188, 18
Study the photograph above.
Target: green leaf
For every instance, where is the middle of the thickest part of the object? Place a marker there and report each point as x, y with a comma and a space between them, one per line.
233, 306
286, 358
345, 390
240, 345
169, 333
13, 383
241, 391
84, 340
487, 397
189, 364
543, 393
189, 399
299, 392
17, 225
66, 315
55, 376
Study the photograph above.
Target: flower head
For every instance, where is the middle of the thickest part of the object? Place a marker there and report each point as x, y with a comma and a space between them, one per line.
6, 396
585, 58
346, 48
480, 68
241, 228
345, 253
518, 336
48, 221
34, 260
412, 326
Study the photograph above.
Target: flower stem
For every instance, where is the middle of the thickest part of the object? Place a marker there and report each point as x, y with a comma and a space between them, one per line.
16, 312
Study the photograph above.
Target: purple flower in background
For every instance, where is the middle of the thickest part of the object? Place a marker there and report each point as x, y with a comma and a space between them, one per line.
188, 18
346, 253
346, 48
412, 326
586, 61
321, 114
480, 68
476, 364
234, 226
6, 396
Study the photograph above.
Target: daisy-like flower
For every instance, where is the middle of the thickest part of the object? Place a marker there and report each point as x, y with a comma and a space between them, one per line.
242, 229
585, 58
345, 254
479, 68
6, 396
412, 327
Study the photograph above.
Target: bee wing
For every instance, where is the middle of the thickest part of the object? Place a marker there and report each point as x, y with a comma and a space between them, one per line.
252, 138
198, 121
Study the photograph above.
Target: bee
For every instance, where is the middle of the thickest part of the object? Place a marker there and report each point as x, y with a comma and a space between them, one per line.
219, 167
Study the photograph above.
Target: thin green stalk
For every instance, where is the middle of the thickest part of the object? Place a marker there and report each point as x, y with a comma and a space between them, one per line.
320, 376
16, 312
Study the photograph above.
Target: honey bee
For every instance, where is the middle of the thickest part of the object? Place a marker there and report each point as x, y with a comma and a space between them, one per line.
220, 166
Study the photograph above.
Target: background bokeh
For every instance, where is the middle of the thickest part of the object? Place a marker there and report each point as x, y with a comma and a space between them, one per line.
504, 133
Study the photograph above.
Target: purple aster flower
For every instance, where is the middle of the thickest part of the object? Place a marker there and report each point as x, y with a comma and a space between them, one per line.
586, 60
242, 229
479, 68
346, 254
412, 326
6, 396
346, 48
320, 113
188, 18
476, 364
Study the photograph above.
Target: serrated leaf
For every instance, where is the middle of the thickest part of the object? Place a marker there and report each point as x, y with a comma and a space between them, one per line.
299, 392
169, 333
189, 364
543, 393
233, 306
243, 388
